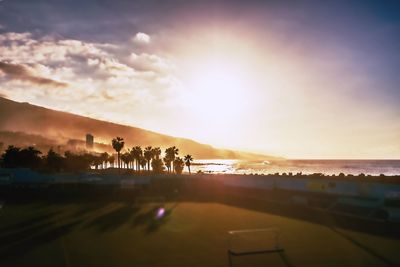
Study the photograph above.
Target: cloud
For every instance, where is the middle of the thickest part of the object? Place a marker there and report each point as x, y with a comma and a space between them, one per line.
150, 62
98, 75
20, 72
141, 38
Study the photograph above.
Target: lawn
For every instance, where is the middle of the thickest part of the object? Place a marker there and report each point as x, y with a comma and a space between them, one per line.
122, 233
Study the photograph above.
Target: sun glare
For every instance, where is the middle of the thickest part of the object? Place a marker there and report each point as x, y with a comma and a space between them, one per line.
218, 91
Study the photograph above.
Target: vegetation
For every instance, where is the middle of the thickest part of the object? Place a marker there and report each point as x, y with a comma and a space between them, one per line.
170, 154
16, 157
126, 157
137, 159
137, 153
118, 143
55, 162
157, 165
111, 160
188, 160
178, 165
148, 155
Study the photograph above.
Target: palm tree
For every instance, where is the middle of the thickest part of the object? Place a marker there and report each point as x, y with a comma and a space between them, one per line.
97, 161
137, 153
131, 159
156, 152
170, 154
111, 160
157, 165
148, 155
178, 165
142, 162
128, 158
167, 162
118, 143
188, 159
104, 158
125, 158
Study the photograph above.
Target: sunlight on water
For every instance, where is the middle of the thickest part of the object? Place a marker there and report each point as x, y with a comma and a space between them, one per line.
215, 166
328, 167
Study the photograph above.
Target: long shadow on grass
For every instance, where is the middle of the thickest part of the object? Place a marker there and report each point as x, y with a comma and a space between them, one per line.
367, 249
37, 237
113, 219
193, 191
133, 216
38, 219
150, 220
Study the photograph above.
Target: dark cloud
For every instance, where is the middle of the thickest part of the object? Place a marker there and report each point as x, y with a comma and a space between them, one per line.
20, 72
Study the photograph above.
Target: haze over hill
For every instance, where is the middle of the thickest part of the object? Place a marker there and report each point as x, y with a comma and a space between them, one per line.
23, 124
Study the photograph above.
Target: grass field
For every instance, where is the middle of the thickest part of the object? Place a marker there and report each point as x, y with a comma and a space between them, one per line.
192, 233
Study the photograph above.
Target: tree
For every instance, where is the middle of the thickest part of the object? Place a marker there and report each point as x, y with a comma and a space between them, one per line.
142, 162
54, 161
118, 143
125, 158
104, 159
137, 154
170, 154
157, 165
188, 159
15, 157
30, 157
156, 152
99, 161
77, 162
178, 165
132, 157
148, 155
111, 160
91, 159
167, 162
10, 158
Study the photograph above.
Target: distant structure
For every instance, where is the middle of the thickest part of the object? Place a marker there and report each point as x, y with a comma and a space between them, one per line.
89, 141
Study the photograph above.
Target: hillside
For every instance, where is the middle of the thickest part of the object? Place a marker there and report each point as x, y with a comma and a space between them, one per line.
38, 123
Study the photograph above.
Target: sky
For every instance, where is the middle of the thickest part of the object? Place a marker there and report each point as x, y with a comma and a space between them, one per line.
298, 79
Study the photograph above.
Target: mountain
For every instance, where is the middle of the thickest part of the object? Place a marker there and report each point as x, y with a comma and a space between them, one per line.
23, 124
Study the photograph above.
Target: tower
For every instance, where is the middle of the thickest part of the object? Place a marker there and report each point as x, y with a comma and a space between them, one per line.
89, 141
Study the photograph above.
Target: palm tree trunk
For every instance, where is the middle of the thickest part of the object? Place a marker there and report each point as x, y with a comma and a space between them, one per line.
189, 168
119, 166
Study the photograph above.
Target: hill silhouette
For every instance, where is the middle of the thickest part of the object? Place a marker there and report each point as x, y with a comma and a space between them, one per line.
23, 123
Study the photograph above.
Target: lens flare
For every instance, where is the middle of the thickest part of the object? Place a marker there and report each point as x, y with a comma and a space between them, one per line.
160, 213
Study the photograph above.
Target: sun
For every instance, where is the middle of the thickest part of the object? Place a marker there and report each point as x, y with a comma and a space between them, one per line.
217, 91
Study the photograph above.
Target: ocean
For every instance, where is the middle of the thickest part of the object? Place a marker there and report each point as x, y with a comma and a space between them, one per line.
327, 167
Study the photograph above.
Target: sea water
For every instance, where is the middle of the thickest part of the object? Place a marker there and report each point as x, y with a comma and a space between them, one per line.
328, 167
